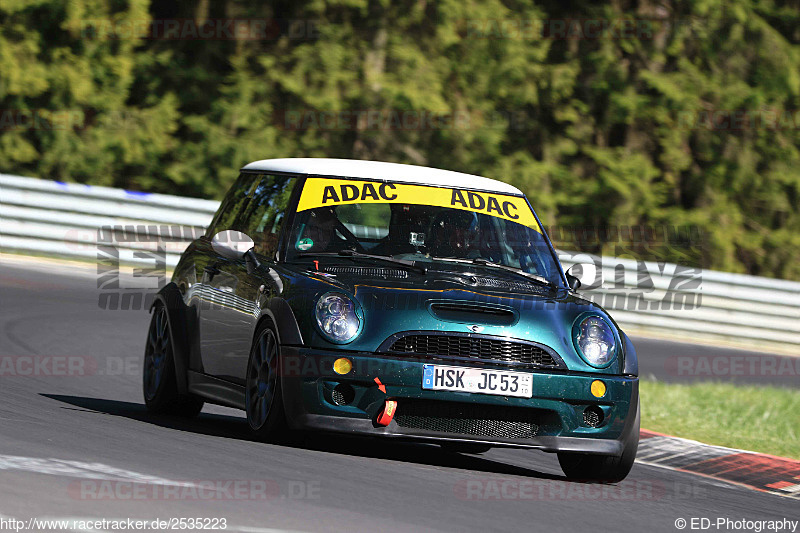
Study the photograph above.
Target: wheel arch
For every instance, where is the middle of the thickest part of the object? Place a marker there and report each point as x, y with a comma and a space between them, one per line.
631, 362
171, 298
280, 313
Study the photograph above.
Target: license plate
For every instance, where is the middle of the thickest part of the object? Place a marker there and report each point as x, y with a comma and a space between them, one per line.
477, 380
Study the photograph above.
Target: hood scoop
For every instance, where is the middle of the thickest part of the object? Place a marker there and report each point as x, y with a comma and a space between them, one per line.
473, 313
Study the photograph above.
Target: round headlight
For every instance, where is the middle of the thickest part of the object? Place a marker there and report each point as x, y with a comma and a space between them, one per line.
336, 317
596, 341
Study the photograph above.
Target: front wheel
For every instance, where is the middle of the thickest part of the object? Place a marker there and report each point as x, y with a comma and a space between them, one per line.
264, 404
158, 373
602, 468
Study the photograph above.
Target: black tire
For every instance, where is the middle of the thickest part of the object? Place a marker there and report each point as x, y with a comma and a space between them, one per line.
263, 394
465, 447
159, 386
602, 468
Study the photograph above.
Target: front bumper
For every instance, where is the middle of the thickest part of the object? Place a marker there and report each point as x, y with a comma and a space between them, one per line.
557, 406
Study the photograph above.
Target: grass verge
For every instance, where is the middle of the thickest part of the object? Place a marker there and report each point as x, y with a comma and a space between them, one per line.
759, 419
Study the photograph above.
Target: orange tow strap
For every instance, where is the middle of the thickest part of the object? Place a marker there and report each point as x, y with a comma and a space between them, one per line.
385, 417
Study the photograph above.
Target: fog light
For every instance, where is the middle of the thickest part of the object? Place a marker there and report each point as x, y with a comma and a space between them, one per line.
344, 366
592, 416
343, 394
598, 388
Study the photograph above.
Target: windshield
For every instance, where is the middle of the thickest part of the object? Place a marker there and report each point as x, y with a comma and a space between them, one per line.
435, 225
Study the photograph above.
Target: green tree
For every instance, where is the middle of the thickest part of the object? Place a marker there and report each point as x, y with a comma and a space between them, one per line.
677, 113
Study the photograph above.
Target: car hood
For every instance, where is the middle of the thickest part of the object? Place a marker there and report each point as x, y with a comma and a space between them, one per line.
446, 304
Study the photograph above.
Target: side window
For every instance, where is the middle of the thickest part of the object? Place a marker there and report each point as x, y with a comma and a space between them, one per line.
262, 217
233, 202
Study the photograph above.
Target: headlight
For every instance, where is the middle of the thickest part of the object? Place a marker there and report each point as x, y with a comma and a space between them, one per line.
337, 318
595, 341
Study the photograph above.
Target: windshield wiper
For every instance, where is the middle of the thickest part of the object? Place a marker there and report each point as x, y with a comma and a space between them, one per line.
483, 262
358, 255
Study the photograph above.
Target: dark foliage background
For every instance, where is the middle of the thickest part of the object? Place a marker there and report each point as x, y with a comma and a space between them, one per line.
673, 113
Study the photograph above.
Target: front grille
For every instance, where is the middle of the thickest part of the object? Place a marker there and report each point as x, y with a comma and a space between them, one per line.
467, 419
474, 348
394, 273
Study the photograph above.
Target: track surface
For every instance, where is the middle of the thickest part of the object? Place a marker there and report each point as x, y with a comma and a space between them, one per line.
99, 423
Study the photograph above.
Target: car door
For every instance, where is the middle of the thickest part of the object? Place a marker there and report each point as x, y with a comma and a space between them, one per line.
214, 273
228, 322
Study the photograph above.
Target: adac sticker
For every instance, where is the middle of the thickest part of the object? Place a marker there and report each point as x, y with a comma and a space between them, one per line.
321, 192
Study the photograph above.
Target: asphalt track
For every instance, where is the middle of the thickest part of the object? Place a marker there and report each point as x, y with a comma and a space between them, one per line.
75, 445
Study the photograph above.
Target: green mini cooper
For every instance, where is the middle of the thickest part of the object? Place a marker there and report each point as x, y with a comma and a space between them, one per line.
394, 301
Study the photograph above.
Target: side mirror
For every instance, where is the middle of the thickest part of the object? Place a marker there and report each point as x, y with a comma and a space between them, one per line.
574, 281
232, 244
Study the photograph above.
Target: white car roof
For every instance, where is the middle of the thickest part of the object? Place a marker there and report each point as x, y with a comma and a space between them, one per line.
377, 170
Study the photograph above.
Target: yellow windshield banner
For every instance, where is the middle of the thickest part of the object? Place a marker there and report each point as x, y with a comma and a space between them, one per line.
325, 192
